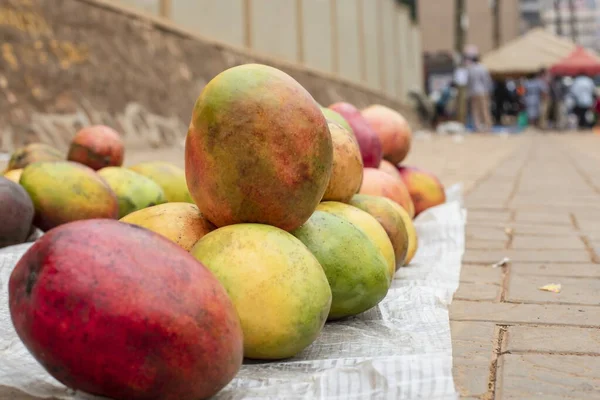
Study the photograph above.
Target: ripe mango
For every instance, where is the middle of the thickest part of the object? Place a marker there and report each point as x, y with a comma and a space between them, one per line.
14, 175
181, 223
97, 146
356, 270
65, 191
33, 152
169, 177
425, 188
16, 213
134, 191
394, 219
370, 227
278, 287
337, 118
347, 170
120, 312
258, 149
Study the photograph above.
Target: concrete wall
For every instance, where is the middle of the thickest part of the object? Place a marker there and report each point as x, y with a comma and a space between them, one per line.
137, 74
354, 39
437, 23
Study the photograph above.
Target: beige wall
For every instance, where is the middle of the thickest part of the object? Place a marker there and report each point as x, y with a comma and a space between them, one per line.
317, 35
480, 24
437, 23
348, 65
436, 18
274, 28
222, 18
510, 20
371, 43
364, 41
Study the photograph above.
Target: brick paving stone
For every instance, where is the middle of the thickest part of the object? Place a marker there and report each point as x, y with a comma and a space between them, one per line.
542, 230
476, 244
521, 242
558, 270
548, 256
524, 289
478, 291
470, 378
508, 313
472, 340
480, 274
485, 233
472, 348
498, 216
552, 339
536, 376
544, 218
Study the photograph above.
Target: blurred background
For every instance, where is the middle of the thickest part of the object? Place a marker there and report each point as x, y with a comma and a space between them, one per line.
138, 65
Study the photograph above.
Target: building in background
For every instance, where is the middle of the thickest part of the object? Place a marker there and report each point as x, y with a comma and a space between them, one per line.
531, 13
437, 23
578, 20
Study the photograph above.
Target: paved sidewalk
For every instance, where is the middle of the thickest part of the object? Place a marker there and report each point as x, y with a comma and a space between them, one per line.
536, 201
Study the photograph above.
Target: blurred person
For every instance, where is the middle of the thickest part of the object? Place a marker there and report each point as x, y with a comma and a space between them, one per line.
544, 98
442, 103
556, 110
536, 91
502, 97
480, 86
583, 93
461, 80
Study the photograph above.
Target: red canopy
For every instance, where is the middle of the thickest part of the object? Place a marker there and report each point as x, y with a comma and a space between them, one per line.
580, 61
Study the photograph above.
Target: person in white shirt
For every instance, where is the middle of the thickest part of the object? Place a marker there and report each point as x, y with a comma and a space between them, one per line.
480, 86
583, 93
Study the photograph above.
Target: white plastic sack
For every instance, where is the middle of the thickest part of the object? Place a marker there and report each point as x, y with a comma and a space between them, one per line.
399, 350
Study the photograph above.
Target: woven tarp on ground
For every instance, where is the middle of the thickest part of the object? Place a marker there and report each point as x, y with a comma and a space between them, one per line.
400, 349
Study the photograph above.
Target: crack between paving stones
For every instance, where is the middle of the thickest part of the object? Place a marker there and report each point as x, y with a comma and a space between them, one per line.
594, 257
549, 353
499, 338
525, 323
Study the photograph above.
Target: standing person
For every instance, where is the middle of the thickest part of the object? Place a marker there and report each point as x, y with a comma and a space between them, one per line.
535, 92
544, 98
480, 87
461, 79
557, 103
583, 92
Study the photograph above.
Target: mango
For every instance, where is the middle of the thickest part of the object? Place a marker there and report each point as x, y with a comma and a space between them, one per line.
369, 226
337, 118
120, 312
368, 141
134, 191
393, 131
378, 183
390, 169
97, 146
278, 287
355, 268
181, 223
33, 152
424, 188
16, 213
393, 219
65, 191
258, 149
347, 170
14, 175
169, 177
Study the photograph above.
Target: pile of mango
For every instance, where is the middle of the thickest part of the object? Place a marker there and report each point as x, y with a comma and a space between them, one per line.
288, 215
